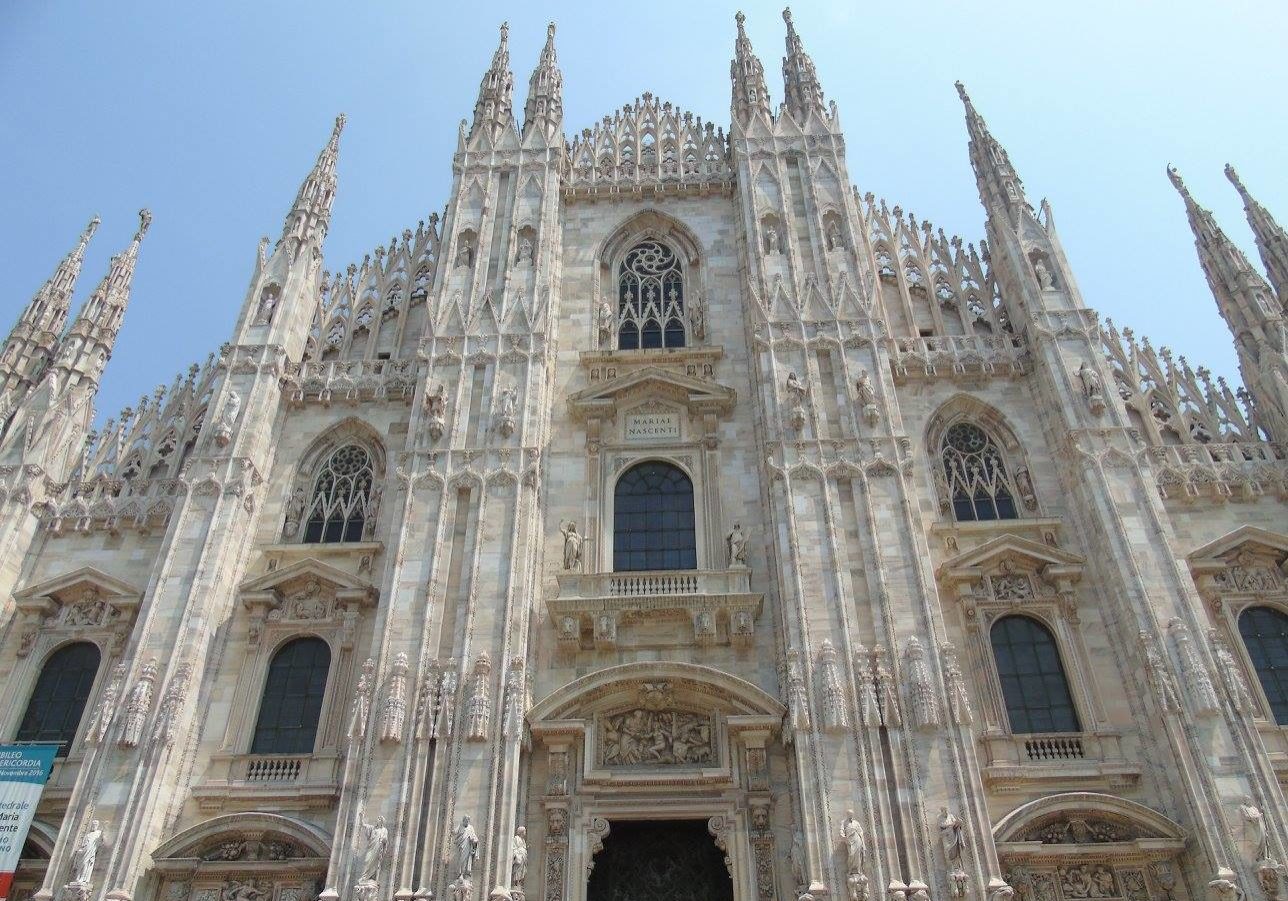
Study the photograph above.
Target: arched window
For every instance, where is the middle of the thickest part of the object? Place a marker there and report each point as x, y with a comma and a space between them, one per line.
977, 481
1033, 682
58, 701
1265, 634
653, 519
292, 702
650, 298
341, 495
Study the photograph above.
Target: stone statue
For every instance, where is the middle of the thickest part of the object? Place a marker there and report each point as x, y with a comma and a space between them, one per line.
1092, 387
1254, 828
525, 250
509, 403
736, 545
771, 239
605, 323
697, 319
465, 256
856, 848
436, 409
237, 890
1045, 278
951, 836
228, 418
267, 303
796, 389
466, 841
572, 547
294, 512
519, 858
1224, 889
834, 239
797, 856
377, 836
86, 853
867, 397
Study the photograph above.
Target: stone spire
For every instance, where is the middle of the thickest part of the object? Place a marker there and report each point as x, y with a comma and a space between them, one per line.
802, 92
310, 215
543, 112
1250, 309
31, 344
750, 95
1272, 239
88, 343
495, 107
1000, 188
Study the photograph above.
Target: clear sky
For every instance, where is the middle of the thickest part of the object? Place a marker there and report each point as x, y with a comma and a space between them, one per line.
211, 114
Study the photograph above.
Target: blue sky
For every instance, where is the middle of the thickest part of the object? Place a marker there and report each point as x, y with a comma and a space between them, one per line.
212, 113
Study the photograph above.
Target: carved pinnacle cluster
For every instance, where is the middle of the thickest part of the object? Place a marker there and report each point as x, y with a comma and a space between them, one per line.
1272, 238
802, 91
495, 107
48, 309
543, 111
310, 215
750, 95
106, 306
1000, 187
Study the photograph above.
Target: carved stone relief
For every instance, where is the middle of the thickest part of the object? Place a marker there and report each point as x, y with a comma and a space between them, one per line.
643, 737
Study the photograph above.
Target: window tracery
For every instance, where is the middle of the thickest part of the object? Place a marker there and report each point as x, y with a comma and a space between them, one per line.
977, 484
342, 496
650, 290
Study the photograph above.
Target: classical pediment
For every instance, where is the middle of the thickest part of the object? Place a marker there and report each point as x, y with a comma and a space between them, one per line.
1013, 552
275, 585
1248, 560
697, 395
75, 587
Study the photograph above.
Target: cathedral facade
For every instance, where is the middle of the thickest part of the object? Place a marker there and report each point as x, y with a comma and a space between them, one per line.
666, 520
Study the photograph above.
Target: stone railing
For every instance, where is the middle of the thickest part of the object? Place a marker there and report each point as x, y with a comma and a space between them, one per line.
719, 604
957, 355
1221, 470
1019, 762
326, 381
310, 780
666, 177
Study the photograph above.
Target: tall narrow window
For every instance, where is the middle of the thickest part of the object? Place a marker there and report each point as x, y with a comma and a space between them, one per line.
650, 298
1033, 682
292, 701
977, 481
341, 495
1265, 634
653, 519
58, 701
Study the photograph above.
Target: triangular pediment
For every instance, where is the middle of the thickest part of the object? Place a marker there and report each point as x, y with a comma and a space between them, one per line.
78, 581
337, 580
1024, 552
1245, 539
695, 394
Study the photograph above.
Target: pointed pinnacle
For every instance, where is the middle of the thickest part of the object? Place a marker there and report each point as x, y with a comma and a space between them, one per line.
1236, 181
961, 92
1179, 183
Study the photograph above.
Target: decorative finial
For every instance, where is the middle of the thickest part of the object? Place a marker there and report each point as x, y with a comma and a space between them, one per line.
145, 219
93, 225
339, 124
505, 32
961, 92
787, 16
550, 31
1234, 179
1175, 177
740, 19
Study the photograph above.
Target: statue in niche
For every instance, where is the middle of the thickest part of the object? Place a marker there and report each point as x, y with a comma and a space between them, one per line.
867, 397
736, 546
572, 547
771, 239
294, 512
436, 410
1254, 828
525, 250
519, 858
466, 841
1093, 388
509, 404
698, 318
465, 256
85, 854
267, 304
605, 324
835, 241
1045, 279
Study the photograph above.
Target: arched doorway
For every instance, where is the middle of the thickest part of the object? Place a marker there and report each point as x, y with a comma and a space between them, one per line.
659, 860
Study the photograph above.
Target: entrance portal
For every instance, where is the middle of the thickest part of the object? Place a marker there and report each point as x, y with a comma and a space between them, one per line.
659, 860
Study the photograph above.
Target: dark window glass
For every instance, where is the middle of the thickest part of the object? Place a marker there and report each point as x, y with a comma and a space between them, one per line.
628, 337
653, 519
292, 702
58, 701
1033, 682
341, 496
1265, 634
